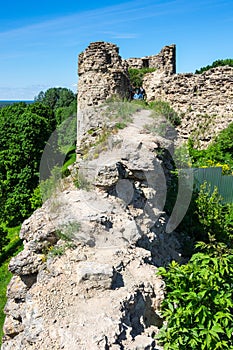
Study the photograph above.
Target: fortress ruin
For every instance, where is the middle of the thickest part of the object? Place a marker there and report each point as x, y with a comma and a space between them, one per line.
103, 74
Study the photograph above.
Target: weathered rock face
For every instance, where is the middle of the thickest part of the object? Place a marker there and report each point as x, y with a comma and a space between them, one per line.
86, 278
165, 61
203, 100
102, 74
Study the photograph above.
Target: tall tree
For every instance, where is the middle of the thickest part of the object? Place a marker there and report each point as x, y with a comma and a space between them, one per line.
24, 131
56, 97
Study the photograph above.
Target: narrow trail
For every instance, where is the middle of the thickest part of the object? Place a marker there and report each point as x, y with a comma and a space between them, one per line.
139, 120
131, 135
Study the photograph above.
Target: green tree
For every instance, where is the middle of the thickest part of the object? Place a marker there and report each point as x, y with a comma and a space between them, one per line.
56, 97
24, 131
136, 75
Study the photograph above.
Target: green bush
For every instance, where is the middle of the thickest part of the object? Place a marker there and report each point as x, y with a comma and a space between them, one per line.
215, 218
218, 63
218, 153
136, 75
198, 304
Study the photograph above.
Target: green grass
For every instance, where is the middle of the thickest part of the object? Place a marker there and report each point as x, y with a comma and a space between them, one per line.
5, 277
11, 249
70, 159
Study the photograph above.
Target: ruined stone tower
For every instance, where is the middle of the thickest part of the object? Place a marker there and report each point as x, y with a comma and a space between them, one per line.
102, 74
164, 61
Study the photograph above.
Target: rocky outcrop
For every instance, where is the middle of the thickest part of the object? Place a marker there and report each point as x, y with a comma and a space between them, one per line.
86, 278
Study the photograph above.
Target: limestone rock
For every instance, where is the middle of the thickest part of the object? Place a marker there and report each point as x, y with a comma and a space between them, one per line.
99, 275
26, 263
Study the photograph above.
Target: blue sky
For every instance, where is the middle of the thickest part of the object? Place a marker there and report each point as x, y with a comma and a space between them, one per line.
40, 40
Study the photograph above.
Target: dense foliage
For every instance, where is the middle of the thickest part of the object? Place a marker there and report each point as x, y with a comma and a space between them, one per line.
199, 298
218, 63
3, 238
136, 75
24, 130
199, 303
56, 97
218, 153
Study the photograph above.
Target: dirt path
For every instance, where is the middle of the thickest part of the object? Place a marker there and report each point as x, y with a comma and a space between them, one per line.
134, 130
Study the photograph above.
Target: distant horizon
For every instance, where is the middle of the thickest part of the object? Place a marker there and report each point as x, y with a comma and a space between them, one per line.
5, 103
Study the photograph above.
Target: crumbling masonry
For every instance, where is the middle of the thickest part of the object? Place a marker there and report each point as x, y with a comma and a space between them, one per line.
201, 99
103, 73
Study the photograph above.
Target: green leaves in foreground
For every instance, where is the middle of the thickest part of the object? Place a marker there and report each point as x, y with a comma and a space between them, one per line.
198, 305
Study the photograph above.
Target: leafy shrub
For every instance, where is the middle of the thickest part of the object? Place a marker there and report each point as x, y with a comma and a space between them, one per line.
36, 198
136, 75
218, 63
218, 153
216, 218
198, 303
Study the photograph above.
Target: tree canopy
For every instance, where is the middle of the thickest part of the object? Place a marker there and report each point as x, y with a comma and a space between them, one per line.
56, 97
218, 63
24, 130
136, 75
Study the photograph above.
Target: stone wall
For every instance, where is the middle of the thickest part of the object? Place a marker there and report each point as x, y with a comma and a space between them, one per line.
102, 74
165, 61
204, 101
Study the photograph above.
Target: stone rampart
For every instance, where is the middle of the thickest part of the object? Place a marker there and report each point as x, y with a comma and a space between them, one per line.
203, 100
